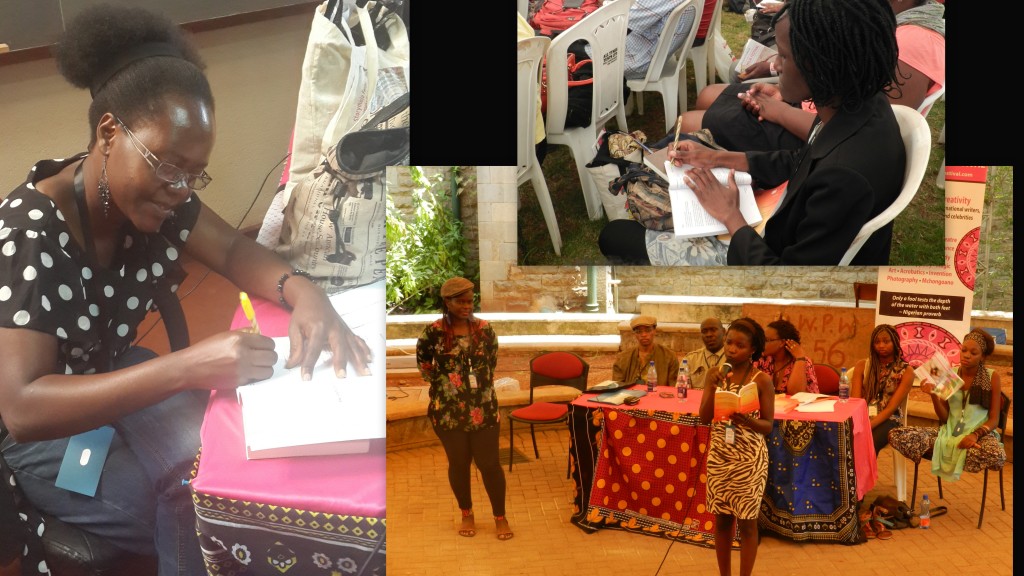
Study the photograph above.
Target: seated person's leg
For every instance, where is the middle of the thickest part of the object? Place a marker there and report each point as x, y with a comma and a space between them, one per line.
622, 242
692, 120
736, 129
708, 96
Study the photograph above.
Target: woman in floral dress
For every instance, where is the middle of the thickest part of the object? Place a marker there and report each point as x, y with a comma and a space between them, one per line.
784, 359
883, 379
456, 355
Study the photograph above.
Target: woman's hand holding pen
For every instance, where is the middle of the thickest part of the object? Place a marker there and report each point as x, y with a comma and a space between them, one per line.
228, 360
315, 326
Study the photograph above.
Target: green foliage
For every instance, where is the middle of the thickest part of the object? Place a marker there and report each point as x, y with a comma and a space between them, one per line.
426, 249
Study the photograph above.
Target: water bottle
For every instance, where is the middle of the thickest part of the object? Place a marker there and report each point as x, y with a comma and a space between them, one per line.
925, 511
844, 387
683, 381
652, 377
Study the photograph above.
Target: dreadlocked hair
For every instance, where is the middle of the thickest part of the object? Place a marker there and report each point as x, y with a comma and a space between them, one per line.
751, 328
871, 376
846, 50
101, 34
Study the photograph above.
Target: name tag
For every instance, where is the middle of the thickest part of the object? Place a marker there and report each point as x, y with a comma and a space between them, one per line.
872, 410
83, 461
730, 434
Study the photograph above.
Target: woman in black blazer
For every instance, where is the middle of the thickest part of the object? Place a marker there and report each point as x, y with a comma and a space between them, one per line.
842, 55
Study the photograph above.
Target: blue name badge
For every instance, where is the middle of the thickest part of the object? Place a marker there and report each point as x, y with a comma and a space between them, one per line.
83, 462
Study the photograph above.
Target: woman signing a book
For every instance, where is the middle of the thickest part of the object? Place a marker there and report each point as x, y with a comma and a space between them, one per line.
966, 438
456, 355
738, 455
883, 379
842, 55
89, 242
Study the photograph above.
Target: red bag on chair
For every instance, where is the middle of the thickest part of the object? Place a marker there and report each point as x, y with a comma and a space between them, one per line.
556, 16
581, 86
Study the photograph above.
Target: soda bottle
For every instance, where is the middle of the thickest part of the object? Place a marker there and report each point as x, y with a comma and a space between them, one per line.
844, 387
683, 381
925, 511
652, 377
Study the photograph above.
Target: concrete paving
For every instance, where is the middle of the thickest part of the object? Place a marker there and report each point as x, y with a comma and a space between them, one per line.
423, 521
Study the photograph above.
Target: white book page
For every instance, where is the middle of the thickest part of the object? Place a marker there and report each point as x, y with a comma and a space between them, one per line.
819, 406
754, 52
690, 219
285, 411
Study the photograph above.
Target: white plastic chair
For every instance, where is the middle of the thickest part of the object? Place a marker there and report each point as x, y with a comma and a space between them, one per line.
703, 66
531, 52
926, 104
917, 140
899, 462
605, 30
663, 72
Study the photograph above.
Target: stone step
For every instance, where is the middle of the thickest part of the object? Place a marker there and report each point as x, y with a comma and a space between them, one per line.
517, 324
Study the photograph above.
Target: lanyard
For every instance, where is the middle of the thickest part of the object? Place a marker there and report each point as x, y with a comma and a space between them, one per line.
90, 253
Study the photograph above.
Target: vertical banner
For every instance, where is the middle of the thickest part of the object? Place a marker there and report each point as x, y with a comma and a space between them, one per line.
930, 306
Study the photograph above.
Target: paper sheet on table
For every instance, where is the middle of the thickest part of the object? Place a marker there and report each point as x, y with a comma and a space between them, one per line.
285, 416
804, 397
819, 406
690, 218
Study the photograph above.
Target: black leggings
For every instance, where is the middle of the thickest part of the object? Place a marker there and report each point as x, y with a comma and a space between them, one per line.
480, 446
880, 434
624, 242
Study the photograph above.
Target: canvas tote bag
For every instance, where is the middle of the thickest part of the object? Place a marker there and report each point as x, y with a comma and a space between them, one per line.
334, 221
339, 81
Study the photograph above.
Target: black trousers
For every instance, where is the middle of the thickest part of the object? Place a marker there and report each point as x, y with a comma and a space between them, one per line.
480, 446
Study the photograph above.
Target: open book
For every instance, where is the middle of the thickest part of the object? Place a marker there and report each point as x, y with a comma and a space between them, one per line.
286, 416
938, 371
754, 52
690, 218
728, 403
784, 403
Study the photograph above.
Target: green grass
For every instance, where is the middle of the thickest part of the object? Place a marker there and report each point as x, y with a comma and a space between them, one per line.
917, 232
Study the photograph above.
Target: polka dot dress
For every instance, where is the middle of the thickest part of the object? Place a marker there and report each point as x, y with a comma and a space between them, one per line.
46, 283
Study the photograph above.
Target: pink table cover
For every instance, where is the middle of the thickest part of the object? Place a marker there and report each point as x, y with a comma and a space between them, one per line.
348, 484
865, 464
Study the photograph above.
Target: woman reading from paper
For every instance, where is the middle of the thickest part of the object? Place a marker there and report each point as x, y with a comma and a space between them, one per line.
86, 245
840, 54
457, 355
966, 438
883, 379
738, 453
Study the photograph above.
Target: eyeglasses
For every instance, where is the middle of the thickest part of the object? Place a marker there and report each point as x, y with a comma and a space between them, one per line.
165, 170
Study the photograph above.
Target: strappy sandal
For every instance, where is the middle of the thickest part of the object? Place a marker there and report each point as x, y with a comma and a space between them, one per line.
468, 528
504, 531
878, 524
865, 525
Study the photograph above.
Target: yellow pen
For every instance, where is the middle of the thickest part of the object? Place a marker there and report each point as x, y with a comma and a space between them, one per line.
249, 312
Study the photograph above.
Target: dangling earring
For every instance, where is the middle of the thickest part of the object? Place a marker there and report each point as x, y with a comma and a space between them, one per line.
104, 187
